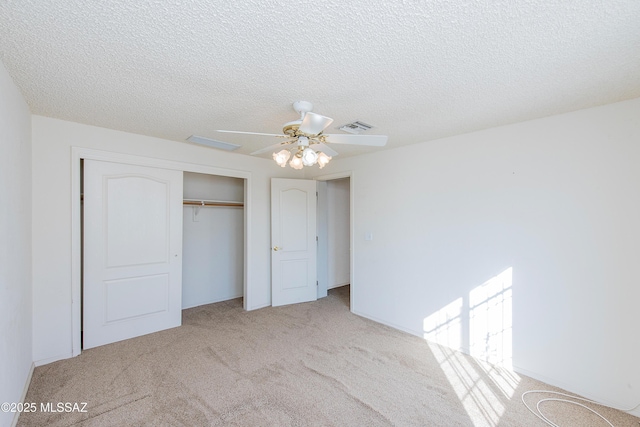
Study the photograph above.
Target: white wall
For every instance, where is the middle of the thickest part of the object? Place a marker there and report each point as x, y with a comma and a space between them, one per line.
15, 244
52, 142
213, 187
338, 225
213, 241
557, 200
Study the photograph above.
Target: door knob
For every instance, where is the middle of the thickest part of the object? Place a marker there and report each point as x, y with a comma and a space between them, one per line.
275, 248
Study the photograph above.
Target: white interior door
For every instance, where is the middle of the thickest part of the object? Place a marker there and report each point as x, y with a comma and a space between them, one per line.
293, 241
132, 251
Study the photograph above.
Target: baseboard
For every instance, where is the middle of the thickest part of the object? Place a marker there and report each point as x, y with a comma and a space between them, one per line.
338, 285
23, 396
572, 390
391, 325
53, 359
221, 299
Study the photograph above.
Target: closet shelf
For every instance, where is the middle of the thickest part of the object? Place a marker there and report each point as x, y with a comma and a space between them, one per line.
211, 203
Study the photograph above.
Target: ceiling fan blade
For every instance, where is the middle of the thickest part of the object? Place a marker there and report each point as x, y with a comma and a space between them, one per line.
271, 148
313, 123
326, 150
371, 140
248, 133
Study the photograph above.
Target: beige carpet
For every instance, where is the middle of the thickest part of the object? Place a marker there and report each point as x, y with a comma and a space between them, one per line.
312, 364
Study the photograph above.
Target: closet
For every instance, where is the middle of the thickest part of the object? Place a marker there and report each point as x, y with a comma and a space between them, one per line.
152, 240
213, 239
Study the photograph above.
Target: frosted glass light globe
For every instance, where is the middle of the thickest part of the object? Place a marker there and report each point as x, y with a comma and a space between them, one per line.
296, 162
323, 159
281, 157
309, 157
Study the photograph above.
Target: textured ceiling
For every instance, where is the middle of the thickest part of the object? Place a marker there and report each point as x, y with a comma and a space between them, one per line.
416, 70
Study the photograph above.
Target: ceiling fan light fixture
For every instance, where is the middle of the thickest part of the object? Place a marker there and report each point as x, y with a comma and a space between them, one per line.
306, 142
281, 157
323, 159
309, 157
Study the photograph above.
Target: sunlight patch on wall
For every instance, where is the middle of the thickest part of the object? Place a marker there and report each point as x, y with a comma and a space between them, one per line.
480, 324
445, 326
490, 320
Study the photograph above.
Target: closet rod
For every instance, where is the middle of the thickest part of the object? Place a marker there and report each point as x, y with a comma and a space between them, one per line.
212, 203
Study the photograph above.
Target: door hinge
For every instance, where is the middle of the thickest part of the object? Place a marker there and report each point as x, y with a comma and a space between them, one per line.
316, 238
316, 283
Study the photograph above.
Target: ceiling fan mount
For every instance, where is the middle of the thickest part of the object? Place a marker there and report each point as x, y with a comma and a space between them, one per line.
305, 141
302, 107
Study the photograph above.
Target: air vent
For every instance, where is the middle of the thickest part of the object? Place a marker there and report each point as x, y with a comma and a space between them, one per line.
201, 140
356, 127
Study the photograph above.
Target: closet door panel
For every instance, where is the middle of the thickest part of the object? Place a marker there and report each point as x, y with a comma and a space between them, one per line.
132, 279
136, 220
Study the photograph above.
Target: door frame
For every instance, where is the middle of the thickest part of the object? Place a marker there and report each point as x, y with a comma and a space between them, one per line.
80, 153
352, 277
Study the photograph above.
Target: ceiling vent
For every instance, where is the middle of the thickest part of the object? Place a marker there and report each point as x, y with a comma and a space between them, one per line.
201, 140
356, 127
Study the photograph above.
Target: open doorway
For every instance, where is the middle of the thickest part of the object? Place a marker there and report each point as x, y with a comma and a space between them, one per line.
334, 238
339, 231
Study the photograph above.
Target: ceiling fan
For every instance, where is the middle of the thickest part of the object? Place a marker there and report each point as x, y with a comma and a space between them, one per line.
304, 141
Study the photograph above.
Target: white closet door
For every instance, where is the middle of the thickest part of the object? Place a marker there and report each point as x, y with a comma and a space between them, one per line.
132, 251
293, 234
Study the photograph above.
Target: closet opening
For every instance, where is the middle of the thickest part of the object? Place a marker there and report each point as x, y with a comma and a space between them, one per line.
212, 239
